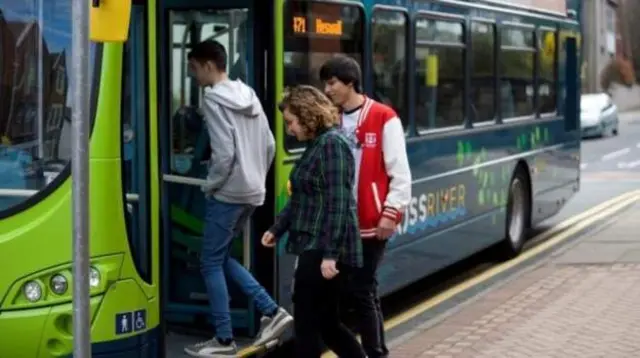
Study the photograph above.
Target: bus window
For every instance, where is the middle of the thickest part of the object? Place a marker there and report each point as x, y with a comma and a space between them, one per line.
389, 33
483, 69
561, 67
190, 143
548, 70
440, 74
35, 106
313, 33
516, 72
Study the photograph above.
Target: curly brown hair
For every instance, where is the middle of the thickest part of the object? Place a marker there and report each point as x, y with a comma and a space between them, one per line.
313, 108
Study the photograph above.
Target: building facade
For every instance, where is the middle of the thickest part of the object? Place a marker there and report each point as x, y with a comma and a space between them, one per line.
602, 39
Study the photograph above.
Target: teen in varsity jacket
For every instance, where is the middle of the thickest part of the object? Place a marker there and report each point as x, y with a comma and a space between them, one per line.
382, 189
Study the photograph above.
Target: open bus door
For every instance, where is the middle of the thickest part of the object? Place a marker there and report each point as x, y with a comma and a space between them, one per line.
184, 155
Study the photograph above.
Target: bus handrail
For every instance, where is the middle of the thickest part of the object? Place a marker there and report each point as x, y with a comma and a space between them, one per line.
25, 193
17, 193
179, 179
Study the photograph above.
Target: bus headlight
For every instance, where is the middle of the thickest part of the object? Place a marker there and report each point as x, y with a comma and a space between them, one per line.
94, 277
59, 284
32, 291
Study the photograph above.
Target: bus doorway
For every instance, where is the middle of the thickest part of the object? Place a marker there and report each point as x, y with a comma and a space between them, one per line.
184, 157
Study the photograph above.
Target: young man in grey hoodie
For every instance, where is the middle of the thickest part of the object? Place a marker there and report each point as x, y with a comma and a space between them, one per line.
242, 150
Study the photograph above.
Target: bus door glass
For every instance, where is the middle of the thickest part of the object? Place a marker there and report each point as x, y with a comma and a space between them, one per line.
188, 157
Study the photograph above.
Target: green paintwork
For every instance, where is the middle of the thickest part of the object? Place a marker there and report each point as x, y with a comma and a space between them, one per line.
37, 244
493, 181
43, 329
282, 170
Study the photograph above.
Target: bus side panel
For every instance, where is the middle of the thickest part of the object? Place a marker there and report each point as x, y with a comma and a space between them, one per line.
459, 193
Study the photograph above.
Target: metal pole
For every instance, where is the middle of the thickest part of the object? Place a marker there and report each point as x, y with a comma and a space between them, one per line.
41, 118
80, 178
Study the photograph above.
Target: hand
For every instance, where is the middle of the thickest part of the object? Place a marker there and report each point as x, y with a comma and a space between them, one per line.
386, 228
328, 268
268, 239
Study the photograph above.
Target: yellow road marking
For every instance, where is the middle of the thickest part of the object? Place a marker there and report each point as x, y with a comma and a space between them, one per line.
581, 216
553, 236
552, 241
251, 350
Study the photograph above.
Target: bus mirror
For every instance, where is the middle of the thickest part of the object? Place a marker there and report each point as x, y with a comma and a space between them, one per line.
109, 20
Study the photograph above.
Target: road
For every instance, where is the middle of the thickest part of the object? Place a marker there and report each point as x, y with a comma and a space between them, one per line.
610, 167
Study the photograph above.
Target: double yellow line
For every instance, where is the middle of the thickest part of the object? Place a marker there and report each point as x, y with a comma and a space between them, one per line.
547, 239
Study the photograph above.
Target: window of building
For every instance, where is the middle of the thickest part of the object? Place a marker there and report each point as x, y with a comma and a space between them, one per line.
483, 69
610, 18
548, 74
34, 141
440, 73
307, 46
517, 72
60, 80
389, 33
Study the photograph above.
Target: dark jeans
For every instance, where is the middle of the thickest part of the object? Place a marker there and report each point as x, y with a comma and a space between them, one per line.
316, 311
362, 298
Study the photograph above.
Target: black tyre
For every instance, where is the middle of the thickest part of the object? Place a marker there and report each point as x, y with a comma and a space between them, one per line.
518, 216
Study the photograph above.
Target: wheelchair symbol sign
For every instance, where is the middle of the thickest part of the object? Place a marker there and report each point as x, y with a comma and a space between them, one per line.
139, 320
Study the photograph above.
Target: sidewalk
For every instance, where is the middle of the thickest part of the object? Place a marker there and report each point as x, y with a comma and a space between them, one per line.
583, 301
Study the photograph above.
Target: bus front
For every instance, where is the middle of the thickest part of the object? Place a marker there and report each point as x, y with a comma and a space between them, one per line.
36, 282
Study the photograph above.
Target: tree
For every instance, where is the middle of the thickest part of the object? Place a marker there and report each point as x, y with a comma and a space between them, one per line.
630, 10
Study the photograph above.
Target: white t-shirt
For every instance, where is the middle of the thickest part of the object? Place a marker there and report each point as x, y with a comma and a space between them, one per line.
349, 124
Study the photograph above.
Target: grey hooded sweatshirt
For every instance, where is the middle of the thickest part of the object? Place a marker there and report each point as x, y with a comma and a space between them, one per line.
242, 145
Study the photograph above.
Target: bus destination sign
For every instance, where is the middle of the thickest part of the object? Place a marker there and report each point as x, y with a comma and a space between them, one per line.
316, 25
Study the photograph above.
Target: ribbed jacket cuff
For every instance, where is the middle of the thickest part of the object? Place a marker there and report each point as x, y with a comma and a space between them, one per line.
392, 214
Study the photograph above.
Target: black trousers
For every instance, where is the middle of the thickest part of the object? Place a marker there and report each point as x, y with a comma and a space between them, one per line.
316, 311
363, 301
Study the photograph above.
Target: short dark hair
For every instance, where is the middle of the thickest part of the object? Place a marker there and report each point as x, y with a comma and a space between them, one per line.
344, 68
210, 50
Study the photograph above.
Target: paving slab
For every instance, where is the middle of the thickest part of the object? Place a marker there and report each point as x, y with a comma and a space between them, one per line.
583, 302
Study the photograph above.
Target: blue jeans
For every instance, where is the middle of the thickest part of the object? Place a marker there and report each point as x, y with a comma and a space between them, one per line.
223, 222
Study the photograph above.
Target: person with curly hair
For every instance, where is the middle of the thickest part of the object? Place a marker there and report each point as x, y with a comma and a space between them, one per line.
322, 223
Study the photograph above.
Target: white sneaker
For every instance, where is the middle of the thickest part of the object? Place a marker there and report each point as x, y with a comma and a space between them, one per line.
273, 328
212, 349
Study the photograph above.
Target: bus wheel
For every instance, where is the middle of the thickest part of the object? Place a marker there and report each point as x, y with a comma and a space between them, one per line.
518, 216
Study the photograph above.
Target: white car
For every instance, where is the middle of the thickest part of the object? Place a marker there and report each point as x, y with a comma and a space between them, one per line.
598, 115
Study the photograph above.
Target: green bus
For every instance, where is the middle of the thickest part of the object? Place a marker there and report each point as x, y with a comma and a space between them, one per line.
487, 91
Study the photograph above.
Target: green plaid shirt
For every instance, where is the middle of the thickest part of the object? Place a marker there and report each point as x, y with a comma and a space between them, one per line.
321, 212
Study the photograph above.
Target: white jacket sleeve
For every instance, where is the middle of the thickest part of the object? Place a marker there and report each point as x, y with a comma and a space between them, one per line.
397, 165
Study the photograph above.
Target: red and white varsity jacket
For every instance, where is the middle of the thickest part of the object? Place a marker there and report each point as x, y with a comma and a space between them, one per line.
384, 180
